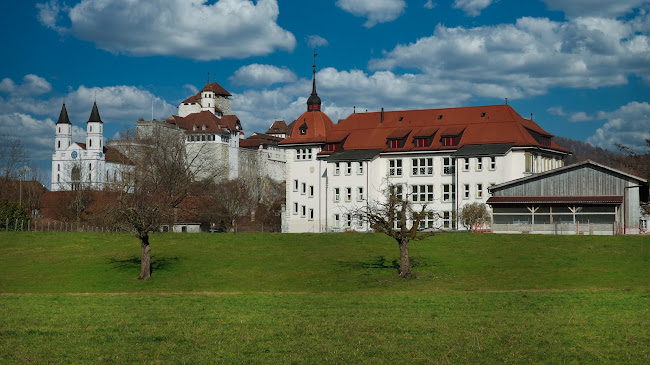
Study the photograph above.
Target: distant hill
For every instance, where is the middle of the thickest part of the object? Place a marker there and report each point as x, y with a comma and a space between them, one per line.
585, 151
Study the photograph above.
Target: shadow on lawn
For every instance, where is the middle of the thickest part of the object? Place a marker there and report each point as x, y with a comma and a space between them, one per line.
157, 264
381, 263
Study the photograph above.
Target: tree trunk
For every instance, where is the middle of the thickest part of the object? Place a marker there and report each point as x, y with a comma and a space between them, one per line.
405, 261
145, 263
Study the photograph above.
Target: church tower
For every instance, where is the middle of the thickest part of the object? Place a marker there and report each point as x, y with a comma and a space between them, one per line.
63, 135
94, 133
313, 103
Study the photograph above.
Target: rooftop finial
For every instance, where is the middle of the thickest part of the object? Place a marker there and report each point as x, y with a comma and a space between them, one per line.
313, 103
208, 78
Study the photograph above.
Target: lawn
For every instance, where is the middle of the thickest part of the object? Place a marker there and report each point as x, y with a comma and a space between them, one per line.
329, 298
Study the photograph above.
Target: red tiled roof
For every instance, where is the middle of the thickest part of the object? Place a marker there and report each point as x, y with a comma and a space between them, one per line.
216, 88
602, 199
480, 125
318, 128
258, 139
278, 127
212, 123
111, 154
337, 136
398, 133
425, 132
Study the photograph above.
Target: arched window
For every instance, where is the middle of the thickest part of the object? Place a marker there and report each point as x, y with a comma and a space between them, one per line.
58, 178
59, 144
58, 167
90, 143
91, 128
90, 166
76, 177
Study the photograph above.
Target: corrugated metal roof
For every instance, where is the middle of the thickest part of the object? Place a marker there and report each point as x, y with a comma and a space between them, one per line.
603, 199
484, 149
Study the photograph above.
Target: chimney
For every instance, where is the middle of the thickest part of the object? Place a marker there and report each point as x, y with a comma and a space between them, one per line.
382, 115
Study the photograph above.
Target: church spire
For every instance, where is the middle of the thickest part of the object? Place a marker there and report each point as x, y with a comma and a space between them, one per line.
63, 117
313, 103
94, 114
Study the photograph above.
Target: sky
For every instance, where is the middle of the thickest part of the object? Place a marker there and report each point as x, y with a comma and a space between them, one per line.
580, 67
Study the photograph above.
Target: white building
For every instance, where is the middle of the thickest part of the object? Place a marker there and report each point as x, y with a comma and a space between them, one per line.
90, 164
445, 158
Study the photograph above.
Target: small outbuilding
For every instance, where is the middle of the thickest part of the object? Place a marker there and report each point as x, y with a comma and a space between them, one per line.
584, 198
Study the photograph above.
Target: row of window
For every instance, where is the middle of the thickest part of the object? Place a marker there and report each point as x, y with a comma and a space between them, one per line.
430, 220
304, 211
360, 194
424, 166
347, 168
206, 138
420, 166
303, 154
425, 193
302, 187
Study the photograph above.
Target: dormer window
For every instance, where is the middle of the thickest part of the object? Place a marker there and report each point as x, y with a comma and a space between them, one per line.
395, 143
450, 141
303, 129
440, 117
421, 142
203, 128
331, 147
483, 115
194, 128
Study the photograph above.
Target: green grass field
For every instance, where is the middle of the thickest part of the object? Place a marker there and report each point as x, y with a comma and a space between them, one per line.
329, 298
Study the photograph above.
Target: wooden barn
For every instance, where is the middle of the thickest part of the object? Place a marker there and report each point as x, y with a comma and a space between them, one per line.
584, 198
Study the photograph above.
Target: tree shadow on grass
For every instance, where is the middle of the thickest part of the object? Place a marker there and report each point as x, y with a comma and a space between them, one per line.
157, 264
381, 263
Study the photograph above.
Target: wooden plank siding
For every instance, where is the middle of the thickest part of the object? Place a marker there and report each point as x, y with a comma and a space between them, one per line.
586, 180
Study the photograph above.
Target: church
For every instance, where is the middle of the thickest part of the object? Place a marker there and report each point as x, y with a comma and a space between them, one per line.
77, 165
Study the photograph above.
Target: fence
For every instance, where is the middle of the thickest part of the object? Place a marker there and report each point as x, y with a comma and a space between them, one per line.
34, 225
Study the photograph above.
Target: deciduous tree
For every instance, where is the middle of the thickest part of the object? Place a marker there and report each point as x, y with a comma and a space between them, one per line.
400, 219
475, 213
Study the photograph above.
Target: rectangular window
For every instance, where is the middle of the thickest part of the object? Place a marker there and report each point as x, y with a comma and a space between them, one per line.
422, 166
397, 190
479, 163
529, 162
446, 219
295, 208
337, 194
360, 195
337, 220
348, 194
360, 170
427, 220
395, 143
395, 167
311, 191
348, 220
448, 192
295, 185
466, 164
311, 214
493, 163
303, 188
332, 147
303, 211
479, 191
348, 168
466, 191
337, 168
421, 142
422, 193
449, 141
448, 165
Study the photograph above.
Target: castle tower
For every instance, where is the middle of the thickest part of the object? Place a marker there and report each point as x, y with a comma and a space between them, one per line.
63, 134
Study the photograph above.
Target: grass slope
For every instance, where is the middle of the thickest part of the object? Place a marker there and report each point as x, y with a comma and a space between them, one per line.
254, 298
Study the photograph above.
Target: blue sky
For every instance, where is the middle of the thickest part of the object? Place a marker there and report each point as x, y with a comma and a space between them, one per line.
582, 67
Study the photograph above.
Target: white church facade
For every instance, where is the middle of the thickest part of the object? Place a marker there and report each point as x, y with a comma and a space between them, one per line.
91, 164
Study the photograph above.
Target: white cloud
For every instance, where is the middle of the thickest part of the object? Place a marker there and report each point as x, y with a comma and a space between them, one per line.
376, 11
429, 4
32, 85
605, 8
262, 75
472, 7
580, 117
530, 56
192, 29
193, 89
556, 110
314, 41
629, 125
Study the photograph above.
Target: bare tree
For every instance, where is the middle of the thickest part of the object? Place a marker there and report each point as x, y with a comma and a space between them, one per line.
157, 176
231, 199
639, 164
475, 213
400, 219
14, 157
